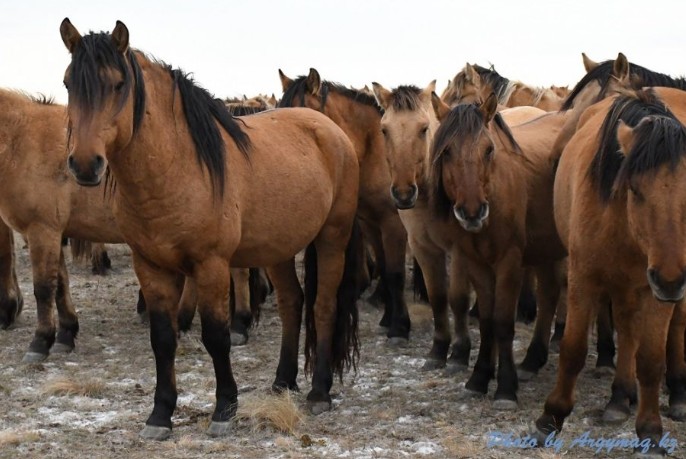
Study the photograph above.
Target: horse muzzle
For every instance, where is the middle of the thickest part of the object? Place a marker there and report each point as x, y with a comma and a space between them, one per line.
90, 174
405, 200
472, 223
664, 290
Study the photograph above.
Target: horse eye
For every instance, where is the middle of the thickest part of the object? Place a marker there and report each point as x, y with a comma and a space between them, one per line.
636, 192
423, 132
489, 152
384, 132
119, 86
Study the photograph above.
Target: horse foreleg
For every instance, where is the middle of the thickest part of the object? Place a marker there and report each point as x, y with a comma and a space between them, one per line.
547, 296
394, 246
483, 280
561, 309
68, 323
242, 314
509, 275
583, 300
11, 300
162, 294
653, 323
44, 247
676, 367
432, 261
459, 299
606, 341
289, 300
213, 279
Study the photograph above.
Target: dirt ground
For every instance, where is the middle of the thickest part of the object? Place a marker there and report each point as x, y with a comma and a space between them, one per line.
93, 402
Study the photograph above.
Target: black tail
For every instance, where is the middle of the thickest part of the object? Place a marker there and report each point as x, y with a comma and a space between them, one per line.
418, 284
258, 294
346, 351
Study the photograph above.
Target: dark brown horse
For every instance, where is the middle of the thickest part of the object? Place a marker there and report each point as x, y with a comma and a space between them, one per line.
497, 184
620, 191
254, 193
357, 113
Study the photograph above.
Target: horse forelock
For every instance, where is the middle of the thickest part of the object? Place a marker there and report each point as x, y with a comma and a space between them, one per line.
406, 98
609, 165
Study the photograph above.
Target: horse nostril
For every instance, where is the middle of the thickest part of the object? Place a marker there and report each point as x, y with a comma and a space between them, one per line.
71, 163
483, 211
98, 162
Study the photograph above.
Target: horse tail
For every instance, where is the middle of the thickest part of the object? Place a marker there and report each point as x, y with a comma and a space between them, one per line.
345, 345
418, 283
80, 249
258, 294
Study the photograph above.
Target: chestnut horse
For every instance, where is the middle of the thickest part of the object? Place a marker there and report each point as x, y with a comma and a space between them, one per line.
497, 183
408, 125
357, 113
255, 192
619, 208
474, 83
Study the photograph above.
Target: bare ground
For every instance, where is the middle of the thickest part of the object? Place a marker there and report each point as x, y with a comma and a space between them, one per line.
93, 402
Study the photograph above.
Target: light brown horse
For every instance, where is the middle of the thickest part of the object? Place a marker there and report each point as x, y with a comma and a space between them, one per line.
255, 192
39, 200
474, 83
408, 126
499, 191
619, 205
359, 116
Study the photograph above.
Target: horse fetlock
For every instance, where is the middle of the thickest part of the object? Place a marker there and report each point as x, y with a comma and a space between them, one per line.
10, 308
616, 413
677, 411
279, 386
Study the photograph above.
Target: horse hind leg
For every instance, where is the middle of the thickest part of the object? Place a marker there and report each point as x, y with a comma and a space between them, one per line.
606, 343
676, 366
289, 300
526, 303
11, 300
394, 239
242, 313
100, 260
187, 303
68, 322
548, 294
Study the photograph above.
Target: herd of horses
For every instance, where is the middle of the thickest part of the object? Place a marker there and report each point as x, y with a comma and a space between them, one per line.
496, 187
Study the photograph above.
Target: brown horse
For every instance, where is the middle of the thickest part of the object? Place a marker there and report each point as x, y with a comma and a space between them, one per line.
408, 125
619, 195
474, 83
499, 191
40, 201
255, 192
359, 116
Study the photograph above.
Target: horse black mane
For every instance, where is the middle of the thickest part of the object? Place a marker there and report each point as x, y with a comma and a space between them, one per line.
89, 89
294, 96
405, 98
640, 76
42, 99
461, 125
496, 81
660, 139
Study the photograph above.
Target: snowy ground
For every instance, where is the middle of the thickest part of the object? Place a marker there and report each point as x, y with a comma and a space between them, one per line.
389, 409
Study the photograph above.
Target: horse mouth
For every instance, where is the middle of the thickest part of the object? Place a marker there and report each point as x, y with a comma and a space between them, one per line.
667, 298
95, 181
404, 205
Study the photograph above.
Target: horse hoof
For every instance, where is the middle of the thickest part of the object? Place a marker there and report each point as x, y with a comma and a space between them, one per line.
34, 357
238, 339
604, 371
454, 368
219, 429
398, 341
537, 434
504, 404
319, 407
652, 452
61, 348
677, 412
525, 375
614, 416
157, 433
432, 364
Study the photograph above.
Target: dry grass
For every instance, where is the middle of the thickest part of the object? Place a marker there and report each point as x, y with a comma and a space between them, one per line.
16, 438
68, 386
277, 412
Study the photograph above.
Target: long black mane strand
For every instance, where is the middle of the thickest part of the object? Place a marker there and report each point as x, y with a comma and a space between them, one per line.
201, 109
462, 124
498, 83
405, 98
608, 160
640, 77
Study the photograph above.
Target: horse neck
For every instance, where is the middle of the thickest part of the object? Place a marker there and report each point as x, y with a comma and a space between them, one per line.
360, 122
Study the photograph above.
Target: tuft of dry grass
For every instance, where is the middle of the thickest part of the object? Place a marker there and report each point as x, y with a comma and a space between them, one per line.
16, 438
271, 411
67, 386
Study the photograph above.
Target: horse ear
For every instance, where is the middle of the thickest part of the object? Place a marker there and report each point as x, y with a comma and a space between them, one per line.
489, 108
426, 93
285, 81
120, 37
620, 68
70, 36
588, 63
272, 100
382, 95
441, 109
314, 82
625, 137
470, 73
